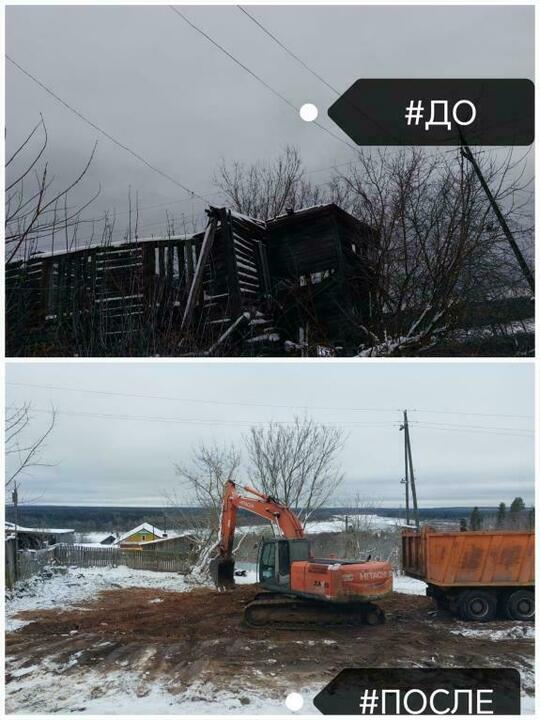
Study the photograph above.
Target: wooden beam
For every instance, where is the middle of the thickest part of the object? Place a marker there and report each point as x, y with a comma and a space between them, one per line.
199, 272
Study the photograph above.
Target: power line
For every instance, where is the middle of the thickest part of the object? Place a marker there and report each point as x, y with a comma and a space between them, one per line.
479, 414
310, 70
257, 77
220, 193
209, 194
288, 51
104, 132
381, 424
431, 424
145, 396
200, 421
194, 400
506, 433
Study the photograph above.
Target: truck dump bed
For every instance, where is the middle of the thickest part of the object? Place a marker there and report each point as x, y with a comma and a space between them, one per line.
458, 559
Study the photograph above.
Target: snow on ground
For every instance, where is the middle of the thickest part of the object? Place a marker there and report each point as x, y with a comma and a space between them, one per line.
125, 693
93, 538
528, 705
202, 700
72, 585
37, 688
518, 632
337, 524
409, 585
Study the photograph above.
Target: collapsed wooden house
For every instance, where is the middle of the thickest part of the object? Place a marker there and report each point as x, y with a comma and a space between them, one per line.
299, 283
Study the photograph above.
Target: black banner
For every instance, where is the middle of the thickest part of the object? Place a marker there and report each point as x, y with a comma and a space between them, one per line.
437, 112
421, 691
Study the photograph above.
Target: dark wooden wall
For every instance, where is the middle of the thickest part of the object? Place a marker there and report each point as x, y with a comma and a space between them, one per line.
320, 272
304, 269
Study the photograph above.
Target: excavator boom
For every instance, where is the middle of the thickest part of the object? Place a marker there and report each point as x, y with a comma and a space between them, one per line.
222, 567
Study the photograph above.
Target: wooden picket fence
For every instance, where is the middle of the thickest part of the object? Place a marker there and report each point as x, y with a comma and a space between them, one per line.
82, 556
25, 564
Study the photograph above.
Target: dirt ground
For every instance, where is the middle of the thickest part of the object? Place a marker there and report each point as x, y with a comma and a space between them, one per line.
193, 636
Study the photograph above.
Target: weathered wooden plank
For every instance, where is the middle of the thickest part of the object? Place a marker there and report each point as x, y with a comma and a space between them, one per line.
199, 271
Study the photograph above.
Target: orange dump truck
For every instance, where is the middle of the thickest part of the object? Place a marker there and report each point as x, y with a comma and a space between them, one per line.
477, 574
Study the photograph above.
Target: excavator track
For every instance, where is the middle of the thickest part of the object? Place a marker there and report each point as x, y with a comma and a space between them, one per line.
284, 612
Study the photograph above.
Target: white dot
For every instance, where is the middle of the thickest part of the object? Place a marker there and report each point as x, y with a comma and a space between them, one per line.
294, 701
309, 112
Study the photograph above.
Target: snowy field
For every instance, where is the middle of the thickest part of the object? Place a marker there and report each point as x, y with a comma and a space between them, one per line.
44, 687
79, 584
36, 688
336, 524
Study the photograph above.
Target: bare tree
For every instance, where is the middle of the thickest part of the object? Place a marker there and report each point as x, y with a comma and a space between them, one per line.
266, 189
35, 211
438, 248
24, 451
203, 478
298, 464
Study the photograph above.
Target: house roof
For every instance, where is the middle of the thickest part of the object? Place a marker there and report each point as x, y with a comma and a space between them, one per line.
174, 536
302, 214
143, 527
37, 531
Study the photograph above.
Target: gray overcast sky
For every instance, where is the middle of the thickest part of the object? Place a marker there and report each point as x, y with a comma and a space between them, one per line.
157, 85
103, 460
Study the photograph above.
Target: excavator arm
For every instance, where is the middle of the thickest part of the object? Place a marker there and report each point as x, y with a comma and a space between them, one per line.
222, 566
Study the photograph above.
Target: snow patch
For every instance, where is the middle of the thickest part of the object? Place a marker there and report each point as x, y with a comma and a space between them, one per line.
408, 585
78, 584
513, 632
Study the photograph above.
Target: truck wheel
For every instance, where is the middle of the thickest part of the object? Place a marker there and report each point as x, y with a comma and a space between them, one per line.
519, 605
478, 605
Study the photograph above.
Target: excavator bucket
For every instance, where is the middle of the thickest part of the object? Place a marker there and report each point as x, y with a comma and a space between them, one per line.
222, 572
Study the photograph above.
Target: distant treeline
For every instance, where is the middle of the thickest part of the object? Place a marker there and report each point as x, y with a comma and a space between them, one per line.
107, 518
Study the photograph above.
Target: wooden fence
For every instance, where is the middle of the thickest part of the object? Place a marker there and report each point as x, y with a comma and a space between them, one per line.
25, 564
83, 556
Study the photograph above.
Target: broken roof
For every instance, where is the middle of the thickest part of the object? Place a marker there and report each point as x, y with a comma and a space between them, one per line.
290, 215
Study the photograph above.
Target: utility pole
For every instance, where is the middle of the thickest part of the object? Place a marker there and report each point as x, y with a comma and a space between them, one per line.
527, 272
405, 481
409, 470
15, 500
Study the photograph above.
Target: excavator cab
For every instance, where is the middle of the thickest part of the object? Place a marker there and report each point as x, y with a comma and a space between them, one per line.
274, 562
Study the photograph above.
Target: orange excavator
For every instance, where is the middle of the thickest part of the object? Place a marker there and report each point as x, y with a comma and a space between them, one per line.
299, 589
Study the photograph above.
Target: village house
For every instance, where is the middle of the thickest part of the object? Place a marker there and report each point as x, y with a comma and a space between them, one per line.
243, 286
144, 533
110, 539
149, 538
301, 283
37, 538
181, 545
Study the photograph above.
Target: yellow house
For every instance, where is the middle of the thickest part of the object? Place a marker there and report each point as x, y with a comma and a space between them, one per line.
144, 533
